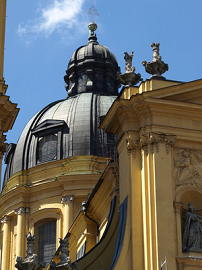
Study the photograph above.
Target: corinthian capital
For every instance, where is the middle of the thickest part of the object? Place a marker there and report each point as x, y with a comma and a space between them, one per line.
6, 219
67, 199
153, 139
20, 211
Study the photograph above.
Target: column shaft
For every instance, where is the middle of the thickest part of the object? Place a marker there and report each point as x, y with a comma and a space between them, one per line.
20, 247
68, 213
6, 243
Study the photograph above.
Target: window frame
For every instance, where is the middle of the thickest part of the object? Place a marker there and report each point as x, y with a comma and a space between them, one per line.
36, 231
46, 128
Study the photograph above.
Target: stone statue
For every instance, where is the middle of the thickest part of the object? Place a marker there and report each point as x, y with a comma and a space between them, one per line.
156, 67
192, 237
30, 262
156, 55
65, 260
128, 58
129, 78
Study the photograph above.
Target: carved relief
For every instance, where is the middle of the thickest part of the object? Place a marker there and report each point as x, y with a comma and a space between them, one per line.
188, 167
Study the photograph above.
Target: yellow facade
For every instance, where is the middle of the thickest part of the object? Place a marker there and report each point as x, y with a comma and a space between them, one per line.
160, 141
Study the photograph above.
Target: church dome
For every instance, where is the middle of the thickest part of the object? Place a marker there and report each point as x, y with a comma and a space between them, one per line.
70, 127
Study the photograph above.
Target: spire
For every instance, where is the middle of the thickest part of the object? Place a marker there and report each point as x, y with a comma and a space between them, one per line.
92, 26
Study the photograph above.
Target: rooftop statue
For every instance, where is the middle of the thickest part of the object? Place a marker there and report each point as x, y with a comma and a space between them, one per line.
30, 262
192, 237
156, 55
128, 58
65, 260
130, 77
156, 67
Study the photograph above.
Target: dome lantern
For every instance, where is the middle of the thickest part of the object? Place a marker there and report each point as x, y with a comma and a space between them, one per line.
92, 68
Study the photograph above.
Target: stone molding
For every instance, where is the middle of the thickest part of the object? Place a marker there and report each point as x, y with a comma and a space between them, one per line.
6, 219
67, 199
151, 140
115, 191
3, 145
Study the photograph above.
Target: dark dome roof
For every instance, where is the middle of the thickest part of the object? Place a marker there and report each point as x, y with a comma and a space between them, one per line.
70, 127
73, 123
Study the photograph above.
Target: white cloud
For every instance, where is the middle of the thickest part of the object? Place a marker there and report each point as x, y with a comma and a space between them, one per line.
59, 14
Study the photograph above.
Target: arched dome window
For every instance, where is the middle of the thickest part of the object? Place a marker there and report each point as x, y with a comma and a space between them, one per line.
46, 239
49, 140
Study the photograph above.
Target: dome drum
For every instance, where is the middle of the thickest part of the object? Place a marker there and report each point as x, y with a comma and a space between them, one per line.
92, 78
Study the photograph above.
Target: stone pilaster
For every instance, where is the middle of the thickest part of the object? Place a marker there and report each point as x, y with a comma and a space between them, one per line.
178, 207
67, 201
20, 248
6, 220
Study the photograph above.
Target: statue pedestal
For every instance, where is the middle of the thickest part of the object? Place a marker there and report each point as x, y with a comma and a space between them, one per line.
190, 261
129, 79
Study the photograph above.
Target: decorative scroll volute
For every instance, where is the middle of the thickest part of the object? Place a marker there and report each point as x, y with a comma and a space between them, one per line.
131, 146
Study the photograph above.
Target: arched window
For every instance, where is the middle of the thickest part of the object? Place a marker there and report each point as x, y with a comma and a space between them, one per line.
46, 239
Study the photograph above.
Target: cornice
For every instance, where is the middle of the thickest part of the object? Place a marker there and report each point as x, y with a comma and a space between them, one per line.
172, 90
10, 112
152, 103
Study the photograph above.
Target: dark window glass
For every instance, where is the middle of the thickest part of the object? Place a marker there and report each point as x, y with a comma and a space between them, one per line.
110, 84
47, 148
99, 81
82, 80
47, 241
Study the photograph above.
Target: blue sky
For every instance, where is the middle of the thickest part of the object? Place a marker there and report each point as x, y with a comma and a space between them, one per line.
42, 35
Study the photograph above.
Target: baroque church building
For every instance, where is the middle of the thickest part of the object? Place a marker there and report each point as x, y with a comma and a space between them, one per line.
104, 179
